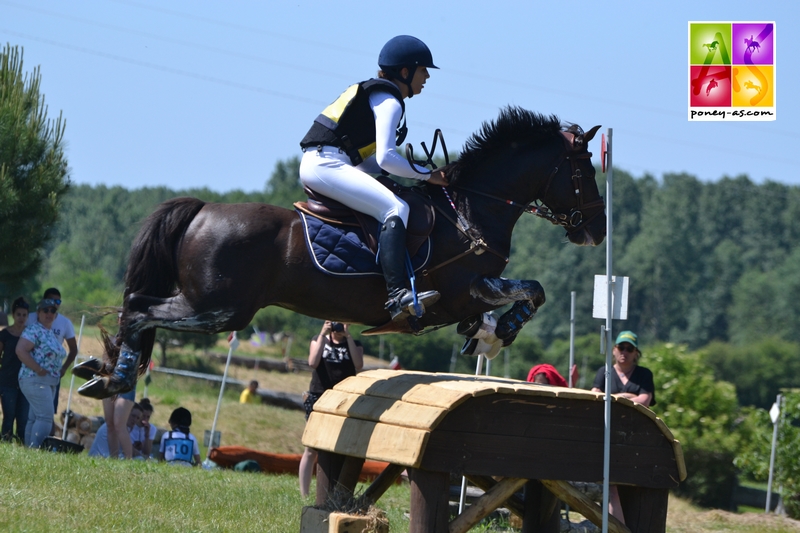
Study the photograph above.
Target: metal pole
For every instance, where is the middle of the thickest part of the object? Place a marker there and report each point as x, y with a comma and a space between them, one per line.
72, 382
462, 499
772, 452
608, 343
571, 338
234, 343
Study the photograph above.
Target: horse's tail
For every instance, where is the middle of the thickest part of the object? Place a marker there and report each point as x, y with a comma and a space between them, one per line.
152, 269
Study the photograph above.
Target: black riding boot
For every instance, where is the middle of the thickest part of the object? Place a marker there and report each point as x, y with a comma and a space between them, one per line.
392, 250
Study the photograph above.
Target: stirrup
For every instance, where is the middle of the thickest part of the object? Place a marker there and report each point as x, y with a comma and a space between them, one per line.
401, 305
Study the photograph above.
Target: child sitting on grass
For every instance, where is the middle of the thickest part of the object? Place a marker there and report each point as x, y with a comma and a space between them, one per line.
179, 446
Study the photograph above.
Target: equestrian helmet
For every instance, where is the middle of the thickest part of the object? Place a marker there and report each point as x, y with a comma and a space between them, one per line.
405, 51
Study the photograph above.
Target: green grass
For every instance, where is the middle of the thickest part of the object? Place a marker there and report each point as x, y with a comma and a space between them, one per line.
44, 491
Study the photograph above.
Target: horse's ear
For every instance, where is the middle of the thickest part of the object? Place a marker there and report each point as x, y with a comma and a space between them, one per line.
589, 135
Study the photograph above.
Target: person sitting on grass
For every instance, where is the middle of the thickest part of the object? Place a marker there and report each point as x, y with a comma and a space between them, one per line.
249, 394
100, 445
179, 446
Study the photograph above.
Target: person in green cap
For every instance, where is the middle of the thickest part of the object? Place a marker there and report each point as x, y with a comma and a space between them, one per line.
628, 380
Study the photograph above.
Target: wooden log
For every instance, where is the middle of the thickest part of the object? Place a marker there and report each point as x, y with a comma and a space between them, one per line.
487, 503
645, 509
578, 501
513, 504
382, 483
541, 509
430, 506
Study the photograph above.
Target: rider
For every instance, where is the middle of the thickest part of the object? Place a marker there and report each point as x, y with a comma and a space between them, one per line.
355, 136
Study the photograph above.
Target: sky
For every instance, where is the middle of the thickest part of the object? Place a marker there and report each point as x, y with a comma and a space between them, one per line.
192, 94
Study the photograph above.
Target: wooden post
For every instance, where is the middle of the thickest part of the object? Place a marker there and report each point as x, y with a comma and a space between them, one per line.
645, 509
541, 509
335, 470
430, 501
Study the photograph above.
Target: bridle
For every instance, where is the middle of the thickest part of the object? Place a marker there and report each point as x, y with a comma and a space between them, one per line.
578, 216
572, 221
584, 212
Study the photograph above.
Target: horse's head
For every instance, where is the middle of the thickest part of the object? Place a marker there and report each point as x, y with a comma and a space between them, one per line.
570, 196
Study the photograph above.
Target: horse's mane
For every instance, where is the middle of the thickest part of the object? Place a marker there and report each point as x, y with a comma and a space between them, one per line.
514, 126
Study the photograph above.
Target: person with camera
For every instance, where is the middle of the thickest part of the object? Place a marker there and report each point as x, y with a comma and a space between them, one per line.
333, 356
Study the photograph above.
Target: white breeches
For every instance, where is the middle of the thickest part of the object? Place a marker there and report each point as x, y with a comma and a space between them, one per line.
330, 172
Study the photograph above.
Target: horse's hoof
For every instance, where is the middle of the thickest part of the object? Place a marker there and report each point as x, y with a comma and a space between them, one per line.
88, 369
96, 388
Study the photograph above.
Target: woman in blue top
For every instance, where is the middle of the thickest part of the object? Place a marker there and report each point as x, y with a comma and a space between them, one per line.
42, 355
354, 137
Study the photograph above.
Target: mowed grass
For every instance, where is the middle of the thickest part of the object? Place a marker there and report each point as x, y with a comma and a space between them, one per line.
44, 491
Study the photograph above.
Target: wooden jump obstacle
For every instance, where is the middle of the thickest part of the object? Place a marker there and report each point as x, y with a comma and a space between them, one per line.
531, 437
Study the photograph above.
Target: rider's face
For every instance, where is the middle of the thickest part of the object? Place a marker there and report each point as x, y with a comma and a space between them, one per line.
418, 81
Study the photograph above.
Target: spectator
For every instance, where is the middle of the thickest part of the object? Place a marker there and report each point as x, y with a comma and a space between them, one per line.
333, 356
116, 411
249, 394
144, 432
42, 355
64, 331
179, 446
15, 405
101, 447
628, 380
548, 375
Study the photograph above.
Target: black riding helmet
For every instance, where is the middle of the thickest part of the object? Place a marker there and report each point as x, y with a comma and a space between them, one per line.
405, 51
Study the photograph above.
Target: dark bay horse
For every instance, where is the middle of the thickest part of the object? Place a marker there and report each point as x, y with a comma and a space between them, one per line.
207, 267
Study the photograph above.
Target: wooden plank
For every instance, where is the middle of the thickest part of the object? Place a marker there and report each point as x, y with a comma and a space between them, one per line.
384, 410
579, 502
362, 438
548, 458
491, 500
676, 445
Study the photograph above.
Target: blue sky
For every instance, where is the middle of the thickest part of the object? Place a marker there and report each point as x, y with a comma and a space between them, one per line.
211, 94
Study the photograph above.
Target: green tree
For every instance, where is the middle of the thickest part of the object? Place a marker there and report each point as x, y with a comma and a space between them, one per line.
701, 412
33, 170
284, 187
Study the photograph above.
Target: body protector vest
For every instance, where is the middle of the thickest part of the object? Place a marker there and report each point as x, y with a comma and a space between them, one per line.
348, 123
178, 448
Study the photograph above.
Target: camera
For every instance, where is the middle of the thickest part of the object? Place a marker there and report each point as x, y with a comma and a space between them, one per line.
338, 327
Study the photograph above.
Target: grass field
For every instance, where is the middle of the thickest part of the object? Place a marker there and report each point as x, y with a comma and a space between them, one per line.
56, 492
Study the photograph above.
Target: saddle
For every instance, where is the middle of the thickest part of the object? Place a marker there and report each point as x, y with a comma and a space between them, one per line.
420, 220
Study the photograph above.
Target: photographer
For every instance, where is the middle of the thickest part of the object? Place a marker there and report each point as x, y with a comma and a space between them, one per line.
333, 356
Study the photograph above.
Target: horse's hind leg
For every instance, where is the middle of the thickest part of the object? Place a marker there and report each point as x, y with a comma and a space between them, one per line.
142, 314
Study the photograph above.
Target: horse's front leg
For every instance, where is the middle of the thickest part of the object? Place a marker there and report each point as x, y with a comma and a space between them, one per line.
527, 296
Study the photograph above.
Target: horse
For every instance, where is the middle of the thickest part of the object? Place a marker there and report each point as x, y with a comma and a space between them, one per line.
750, 85
208, 267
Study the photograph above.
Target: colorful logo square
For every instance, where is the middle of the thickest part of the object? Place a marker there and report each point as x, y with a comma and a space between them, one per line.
732, 70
